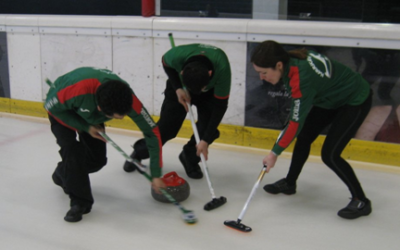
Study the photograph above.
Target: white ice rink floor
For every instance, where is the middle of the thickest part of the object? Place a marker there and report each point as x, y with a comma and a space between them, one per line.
125, 216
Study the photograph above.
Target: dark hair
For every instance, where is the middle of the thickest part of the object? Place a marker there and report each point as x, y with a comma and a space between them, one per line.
195, 77
114, 97
268, 53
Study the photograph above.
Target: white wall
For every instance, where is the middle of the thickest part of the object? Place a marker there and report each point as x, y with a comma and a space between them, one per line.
41, 47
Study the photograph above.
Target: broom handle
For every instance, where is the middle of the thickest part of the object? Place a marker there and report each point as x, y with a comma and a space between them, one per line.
203, 160
260, 177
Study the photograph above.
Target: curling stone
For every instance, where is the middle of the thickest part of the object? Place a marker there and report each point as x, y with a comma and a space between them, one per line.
177, 187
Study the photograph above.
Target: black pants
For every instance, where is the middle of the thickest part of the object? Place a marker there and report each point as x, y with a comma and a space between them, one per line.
172, 117
79, 158
345, 122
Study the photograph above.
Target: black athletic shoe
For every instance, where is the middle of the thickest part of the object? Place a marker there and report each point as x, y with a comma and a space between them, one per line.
57, 180
129, 166
280, 186
193, 171
76, 212
355, 209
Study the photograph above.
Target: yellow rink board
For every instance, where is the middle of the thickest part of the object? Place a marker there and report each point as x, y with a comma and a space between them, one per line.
356, 150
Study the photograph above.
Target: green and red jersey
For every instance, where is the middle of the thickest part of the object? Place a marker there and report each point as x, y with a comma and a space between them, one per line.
72, 102
321, 82
221, 80
176, 58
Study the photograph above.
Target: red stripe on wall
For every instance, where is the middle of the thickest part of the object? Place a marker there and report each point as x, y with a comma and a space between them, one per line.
87, 86
156, 131
137, 104
289, 135
295, 82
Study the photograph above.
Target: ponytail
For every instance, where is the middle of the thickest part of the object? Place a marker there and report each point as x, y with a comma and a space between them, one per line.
298, 53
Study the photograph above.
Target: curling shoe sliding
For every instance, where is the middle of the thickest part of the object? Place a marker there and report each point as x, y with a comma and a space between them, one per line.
129, 166
193, 171
280, 186
76, 212
355, 209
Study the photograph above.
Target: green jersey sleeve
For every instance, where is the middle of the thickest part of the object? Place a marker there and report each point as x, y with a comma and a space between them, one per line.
151, 133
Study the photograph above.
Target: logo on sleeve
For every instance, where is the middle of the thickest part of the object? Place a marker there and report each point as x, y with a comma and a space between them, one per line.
50, 103
296, 110
84, 110
147, 118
